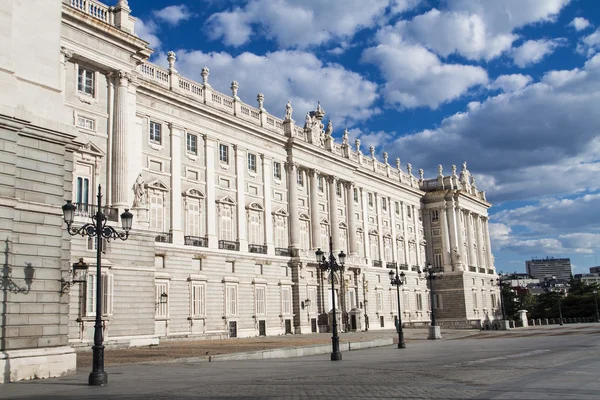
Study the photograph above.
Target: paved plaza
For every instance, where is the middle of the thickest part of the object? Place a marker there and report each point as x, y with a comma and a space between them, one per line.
534, 363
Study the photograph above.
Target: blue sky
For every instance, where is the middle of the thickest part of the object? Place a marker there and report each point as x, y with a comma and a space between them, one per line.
510, 86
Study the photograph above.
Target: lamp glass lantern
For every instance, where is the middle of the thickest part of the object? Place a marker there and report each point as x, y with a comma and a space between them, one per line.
342, 257
69, 212
80, 272
126, 220
319, 256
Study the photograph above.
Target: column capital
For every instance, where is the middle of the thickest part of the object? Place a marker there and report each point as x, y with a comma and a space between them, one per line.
313, 172
332, 179
349, 184
290, 165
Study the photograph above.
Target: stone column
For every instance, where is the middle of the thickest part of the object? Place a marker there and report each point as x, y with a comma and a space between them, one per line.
333, 217
292, 170
120, 165
110, 129
365, 209
420, 262
445, 239
268, 217
404, 232
176, 213
211, 199
453, 237
480, 255
486, 232
469, 221
240, 172
377, 199
392, 209
460, 265
351, 218
314, 208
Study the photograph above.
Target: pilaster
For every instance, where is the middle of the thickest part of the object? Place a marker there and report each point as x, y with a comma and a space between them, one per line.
211, 200
313, 175
176, 203
469, 221
268, 218
460, 264
351, 218
453, 236
366, 247
240, 170
377, 199
292, 170
480, 255
120, 165
486, 231
333, 217
447, 262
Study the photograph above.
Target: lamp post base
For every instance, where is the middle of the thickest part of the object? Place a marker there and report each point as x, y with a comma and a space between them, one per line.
401, 344
434, 333
336, 356
98, 378
504, 325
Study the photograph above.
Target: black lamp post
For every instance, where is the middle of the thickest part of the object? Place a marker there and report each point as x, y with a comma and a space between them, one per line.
596, 303
431, 274
398, 280
560, 310
332, 265
99, 230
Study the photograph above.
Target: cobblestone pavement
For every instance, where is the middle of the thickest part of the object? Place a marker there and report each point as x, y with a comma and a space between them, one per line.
535, 363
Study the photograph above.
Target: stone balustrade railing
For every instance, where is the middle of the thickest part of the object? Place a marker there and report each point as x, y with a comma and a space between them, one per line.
93, 8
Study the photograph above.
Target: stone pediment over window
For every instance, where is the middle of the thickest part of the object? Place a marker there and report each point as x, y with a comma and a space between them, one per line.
226, 200
359, 230
158, 185
400, 238
324, 221
91, 149
423, 242
373, 232
343, 225
387, 236
254, 207
304, 217
193, 193
281, 212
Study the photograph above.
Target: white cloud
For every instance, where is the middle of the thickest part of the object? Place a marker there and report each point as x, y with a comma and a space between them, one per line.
579, 23
173, 14
590, 43
533, 51
286, 75
477, 29
510, 83
415, 76
301, 24
147, 31
541, 140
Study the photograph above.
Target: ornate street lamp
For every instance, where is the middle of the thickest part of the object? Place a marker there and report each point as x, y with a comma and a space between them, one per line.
398, 280
500, 283
330, 264
596, 302
560, 310
431, 274
99, 230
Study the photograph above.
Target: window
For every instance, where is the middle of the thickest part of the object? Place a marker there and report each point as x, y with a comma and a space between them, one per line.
435, 215
251, 162
419, 302
231, 300
483, 300
155, 132
397, 208
156, 212
280, 229
374, 247
408, 212
192, 144
107, 295
277, 170
85, 81
320, 184
286, 301
384, 204
379, 300
304, 234
494, 301
161, 301
193, 219
343, 245
475, 300
82, 191
437, 302
300, 178
198, 292
226, 221
261, 306
230, 267
224, 153
258, 269
370, 199
355, 193
437, 259
387, 248
92, 244
254, 228
359, 243
312, 296
338, 190
87, 123
324, 236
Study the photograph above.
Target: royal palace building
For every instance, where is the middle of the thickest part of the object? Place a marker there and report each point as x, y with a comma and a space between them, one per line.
230, 204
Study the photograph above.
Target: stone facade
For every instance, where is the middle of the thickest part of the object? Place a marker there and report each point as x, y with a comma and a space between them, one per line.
230, 205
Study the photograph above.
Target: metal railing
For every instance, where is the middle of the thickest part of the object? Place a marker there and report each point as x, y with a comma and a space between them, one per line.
164, 237
472, 269
89, 210
403, 267
391, 265
377, 263
257, 248
229, 245
282, 251
197, 241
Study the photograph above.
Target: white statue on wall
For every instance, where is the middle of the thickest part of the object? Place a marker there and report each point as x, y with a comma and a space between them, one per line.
288, 111
139, 192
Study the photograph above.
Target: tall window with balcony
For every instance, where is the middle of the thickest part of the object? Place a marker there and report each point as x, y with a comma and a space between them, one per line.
360, 245
370, 198
324, 234
343, 237
255, 229
226, 222
384, 204
300, 177
387, 248
195, 234
304, 232
157, 211
400, 251
83, 187
280, 231
86, 82
320, 184
374, 246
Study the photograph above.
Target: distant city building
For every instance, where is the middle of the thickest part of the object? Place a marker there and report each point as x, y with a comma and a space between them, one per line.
559, 268
588, 278
595, 270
